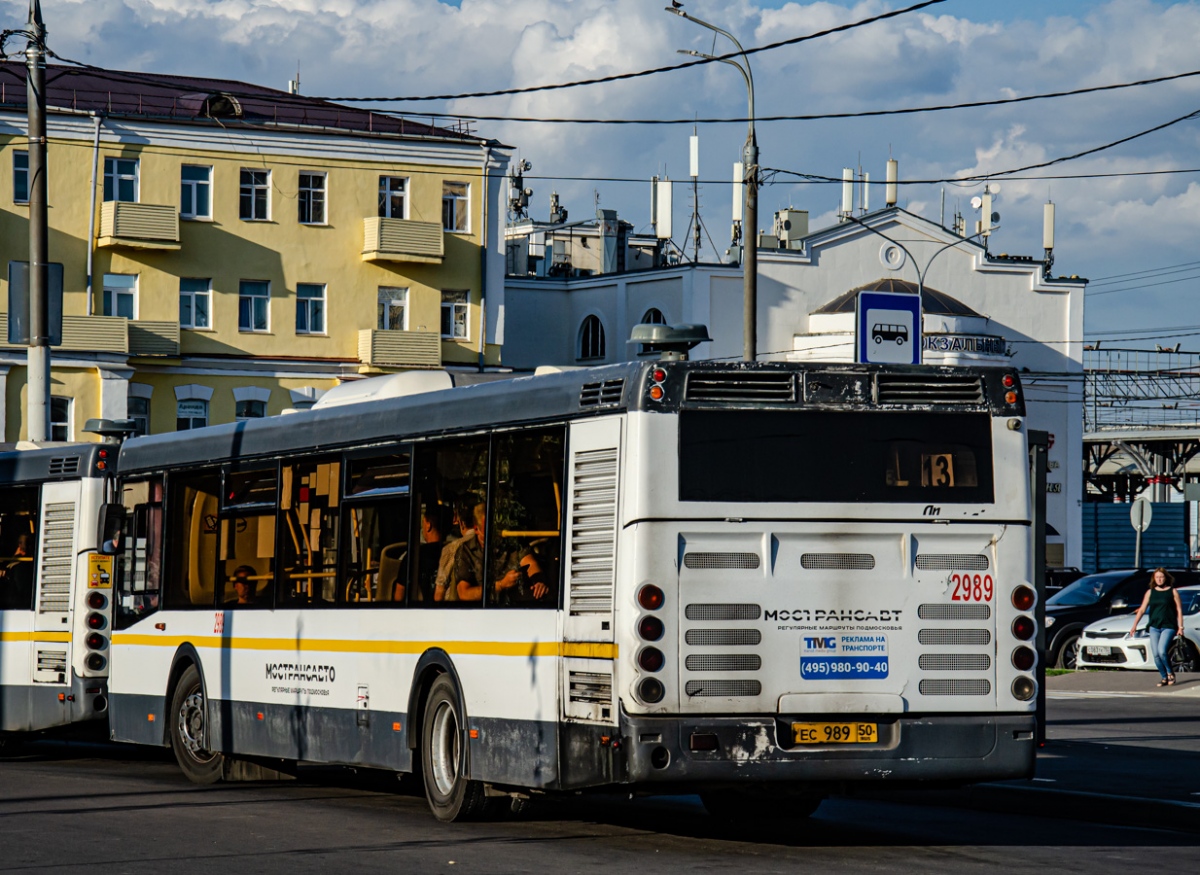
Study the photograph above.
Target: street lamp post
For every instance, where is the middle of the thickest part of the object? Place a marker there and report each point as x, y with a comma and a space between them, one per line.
921, 272
750, 184
38, 353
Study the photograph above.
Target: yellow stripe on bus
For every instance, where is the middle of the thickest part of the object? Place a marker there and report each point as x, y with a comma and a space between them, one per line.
57, 637
587, 650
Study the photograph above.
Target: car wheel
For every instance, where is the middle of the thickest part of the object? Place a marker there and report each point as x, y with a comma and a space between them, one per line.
189, 731
1183, 657
1068, 653
451, 797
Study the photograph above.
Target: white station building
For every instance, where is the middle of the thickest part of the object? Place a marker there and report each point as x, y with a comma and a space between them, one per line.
976, 309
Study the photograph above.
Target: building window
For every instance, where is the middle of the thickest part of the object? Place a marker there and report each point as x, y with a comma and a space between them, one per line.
191, 414
310, 308
392, 191
254, 305
139, 412
195, 196
456, 209
250, 409
60, 418
393, 309
312, 198
454, 315
20, 177
591, 339
195, 303
120, 295
255, 204
121, 180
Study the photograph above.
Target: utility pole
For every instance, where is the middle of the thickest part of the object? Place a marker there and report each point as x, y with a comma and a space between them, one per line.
38, 354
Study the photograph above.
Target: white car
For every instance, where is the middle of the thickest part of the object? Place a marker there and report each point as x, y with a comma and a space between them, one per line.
1104, 643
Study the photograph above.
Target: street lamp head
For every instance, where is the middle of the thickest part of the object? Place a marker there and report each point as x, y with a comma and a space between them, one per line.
676, 8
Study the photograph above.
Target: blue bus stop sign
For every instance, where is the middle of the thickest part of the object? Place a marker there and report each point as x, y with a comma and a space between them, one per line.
888, 328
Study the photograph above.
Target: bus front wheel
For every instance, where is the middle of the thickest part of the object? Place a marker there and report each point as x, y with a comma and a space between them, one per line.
189, 731
451, 797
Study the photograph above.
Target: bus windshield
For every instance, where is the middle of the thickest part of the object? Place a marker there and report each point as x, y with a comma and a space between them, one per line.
835, 456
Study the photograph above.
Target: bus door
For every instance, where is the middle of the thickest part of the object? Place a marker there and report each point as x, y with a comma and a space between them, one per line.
588, 667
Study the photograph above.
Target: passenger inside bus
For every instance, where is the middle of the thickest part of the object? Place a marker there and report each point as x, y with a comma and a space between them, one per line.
16, 584
445, 587
245, 587
516, 573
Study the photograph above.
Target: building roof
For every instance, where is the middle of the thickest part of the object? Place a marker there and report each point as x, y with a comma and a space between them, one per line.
933, 302
199, 100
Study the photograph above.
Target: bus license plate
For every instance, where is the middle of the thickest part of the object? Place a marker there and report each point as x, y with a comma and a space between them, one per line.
836, 733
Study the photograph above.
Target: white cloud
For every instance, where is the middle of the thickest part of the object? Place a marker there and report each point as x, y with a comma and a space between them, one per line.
424, 46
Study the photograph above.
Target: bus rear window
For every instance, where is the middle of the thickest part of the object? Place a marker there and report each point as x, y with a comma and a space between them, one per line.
835, 456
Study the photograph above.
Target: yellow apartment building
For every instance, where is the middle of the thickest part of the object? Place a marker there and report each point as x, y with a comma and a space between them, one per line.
231, 251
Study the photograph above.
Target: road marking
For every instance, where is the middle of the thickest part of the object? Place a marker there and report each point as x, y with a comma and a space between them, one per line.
1097, 694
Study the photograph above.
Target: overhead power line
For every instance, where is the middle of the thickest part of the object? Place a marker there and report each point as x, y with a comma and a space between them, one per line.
1166, 268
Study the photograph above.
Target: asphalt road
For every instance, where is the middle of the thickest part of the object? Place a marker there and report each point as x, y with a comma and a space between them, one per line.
69, 806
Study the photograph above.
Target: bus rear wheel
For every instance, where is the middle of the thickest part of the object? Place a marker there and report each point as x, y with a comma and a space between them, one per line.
189, 731
451, 797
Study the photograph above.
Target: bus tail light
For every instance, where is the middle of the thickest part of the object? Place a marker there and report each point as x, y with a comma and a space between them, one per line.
1023, 598
96, 600
651, 597
95, 641
651, 691
95, 621
1023, 628
1023, 688
1024, 658
95, 662
651, 659
650, 628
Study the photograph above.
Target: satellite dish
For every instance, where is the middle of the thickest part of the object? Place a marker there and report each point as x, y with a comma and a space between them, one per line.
976, 202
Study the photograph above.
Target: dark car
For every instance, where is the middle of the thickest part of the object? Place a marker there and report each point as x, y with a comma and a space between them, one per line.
1057, 578
1091, 598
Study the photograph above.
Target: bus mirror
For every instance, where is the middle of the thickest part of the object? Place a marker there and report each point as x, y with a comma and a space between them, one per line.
112, 523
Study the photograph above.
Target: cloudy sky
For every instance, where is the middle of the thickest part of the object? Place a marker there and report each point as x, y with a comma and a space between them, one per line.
956, 51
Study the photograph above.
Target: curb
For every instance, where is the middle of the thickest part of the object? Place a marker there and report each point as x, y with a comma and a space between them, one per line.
1107, 808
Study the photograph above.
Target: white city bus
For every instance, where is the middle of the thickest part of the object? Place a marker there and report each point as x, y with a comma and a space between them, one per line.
761, 583
55, 587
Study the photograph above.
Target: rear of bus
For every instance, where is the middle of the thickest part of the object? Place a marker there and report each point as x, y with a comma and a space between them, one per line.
824, 577
55, 589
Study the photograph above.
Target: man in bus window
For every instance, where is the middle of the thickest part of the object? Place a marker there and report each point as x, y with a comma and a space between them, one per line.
17, 580
517, 575
244, 588
445, 584
432, 543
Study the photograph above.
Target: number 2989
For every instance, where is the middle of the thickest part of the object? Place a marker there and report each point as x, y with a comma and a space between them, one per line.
972, 587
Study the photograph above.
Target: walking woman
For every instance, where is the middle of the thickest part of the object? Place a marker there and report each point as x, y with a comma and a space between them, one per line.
1166, 620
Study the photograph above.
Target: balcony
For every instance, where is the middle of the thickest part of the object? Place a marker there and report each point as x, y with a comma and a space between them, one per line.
138, 226
111, 334
402, 240
400, 349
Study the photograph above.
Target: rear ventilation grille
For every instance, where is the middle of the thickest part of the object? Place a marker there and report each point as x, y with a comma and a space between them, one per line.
723, 689
723, 637
954, 662
721, 560
838, 561
955, 637
951, 562
955, 687
590, 688
58, 552
954, 612
723, 612
758, 386
64, 465
929, 389
723, 662
593, 531
605, 394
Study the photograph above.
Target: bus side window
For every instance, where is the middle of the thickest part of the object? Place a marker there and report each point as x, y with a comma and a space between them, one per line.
308, 522
451, 486
377, 533
140, 559
18, 547
192, 517
525, 528
246, 557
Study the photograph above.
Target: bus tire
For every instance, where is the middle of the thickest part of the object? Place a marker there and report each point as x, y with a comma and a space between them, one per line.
451, 797
189, 716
